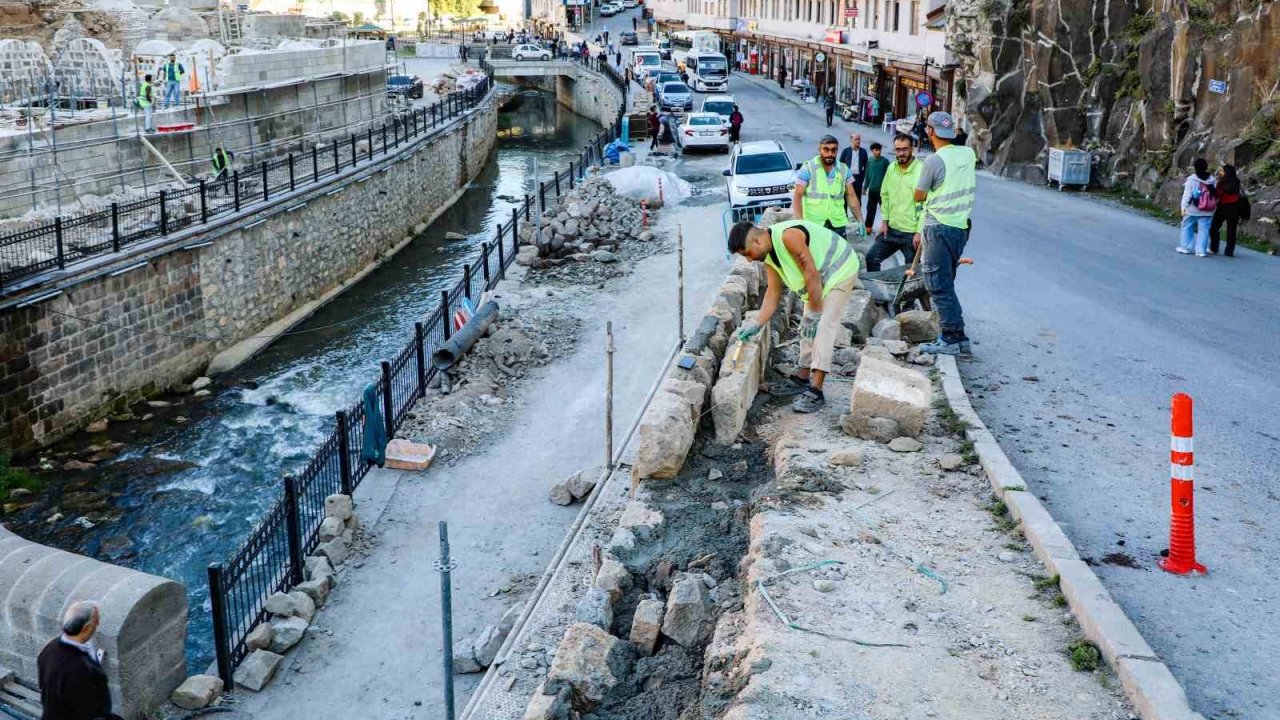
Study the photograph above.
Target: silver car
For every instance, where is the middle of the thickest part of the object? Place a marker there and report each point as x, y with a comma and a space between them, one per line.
675, 96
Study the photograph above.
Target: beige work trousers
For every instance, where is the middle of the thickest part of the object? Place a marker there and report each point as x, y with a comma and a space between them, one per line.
816, 354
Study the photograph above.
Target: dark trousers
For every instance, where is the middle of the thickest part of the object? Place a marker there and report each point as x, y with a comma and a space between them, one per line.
830, 114
940, 257
1228, 215
653, 139
886, 245
735, 131
873, 203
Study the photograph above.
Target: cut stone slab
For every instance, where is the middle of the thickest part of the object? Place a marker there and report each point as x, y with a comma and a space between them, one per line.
644, 522
739, 381
317, 590
883, 389
905, 445
548, 707
589, 662
197, 692
646, 625
331, 528
259, 638
338, 506
291, 604
692, 392
880, 430
613, 578
596, 608
689, 619
663, 439
286, 632
887, 329
860, 314
257, 670
487, 644
405, 455
335, 550
917, 326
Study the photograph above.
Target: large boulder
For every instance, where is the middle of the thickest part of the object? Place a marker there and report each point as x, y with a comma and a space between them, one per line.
689, 619
884, 389
589, 663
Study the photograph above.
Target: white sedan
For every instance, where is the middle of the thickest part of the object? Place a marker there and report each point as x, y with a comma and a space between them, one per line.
703, 130
530, 52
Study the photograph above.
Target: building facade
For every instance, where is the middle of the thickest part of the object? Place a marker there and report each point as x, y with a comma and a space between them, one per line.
883, 56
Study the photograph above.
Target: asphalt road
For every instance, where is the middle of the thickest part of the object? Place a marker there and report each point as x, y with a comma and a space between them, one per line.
1085, 322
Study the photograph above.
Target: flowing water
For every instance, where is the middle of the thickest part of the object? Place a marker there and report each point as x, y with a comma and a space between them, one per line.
188, 494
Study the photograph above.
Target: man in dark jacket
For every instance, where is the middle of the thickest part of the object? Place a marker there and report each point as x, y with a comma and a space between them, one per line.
829, 102
73, 685
654, 126
855, 157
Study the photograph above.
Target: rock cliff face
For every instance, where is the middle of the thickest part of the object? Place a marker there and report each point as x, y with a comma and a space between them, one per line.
1129, 80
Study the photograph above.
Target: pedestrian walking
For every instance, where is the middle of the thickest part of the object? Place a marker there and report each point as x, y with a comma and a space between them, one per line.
821, 267
735, 125
1198, 205
146, 101
172, 71
1233, 206
855, 157
947, 186
782, 77
654, 127
874, 176
921, 130
618, 58
824, 189
900, 226
634, 24
829, 103
73, 685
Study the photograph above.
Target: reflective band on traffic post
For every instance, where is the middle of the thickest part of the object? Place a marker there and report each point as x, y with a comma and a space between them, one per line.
1182, 472
1182, 444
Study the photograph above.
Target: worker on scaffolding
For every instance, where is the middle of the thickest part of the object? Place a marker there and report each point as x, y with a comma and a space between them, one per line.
146, 101
222, 166
172, 71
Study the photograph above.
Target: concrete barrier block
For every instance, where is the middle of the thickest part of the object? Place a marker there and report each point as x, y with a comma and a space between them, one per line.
664, 438
1047, 540
1099, 616
1154, 692
886, 390
1002, 474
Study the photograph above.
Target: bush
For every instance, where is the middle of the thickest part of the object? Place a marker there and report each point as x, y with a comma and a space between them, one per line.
1084, 656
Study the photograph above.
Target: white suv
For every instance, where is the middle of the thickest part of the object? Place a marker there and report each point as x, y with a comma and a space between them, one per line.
530, 52
760, 174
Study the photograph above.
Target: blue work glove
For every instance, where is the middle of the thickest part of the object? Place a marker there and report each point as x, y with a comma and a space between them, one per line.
809, 324
749, 329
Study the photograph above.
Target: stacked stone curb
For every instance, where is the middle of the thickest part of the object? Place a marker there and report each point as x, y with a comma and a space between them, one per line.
1155, 693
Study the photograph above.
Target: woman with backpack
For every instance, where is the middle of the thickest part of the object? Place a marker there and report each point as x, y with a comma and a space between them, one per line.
1198, 204
1233, 206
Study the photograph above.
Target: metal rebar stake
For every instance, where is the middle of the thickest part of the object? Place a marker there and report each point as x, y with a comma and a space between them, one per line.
445, 565
608, 396
680, 261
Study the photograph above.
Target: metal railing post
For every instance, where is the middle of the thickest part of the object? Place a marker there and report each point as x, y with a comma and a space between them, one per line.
570, 174
204, 203
446, 565
369, 138
235, 181
292, 185
115, 227
293, 529
484, 262
515, 220
164, 215
354, 159
466, 281
384, 138
218, 606
337, 164
344, 453
445, 320
388, 409
266, 184
57, 239
315, 163
502, 256
420, 346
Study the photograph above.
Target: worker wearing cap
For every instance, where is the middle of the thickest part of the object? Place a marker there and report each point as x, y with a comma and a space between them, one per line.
947, 188
172, 71
824, 187
820, 266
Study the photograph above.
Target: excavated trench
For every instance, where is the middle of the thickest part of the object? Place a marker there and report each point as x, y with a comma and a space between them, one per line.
705, 531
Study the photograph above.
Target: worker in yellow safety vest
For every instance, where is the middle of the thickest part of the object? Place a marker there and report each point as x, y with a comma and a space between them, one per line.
146, 101
947, 187
824, 188
820, 266
172, 72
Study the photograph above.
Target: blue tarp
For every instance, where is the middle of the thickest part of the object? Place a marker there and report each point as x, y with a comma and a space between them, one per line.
614, 150
374, 449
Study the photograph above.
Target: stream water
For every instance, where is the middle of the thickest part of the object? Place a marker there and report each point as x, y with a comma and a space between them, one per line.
182, 494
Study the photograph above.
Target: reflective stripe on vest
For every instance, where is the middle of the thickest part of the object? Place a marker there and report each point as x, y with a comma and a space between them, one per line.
952, 202
834, 257
823, 199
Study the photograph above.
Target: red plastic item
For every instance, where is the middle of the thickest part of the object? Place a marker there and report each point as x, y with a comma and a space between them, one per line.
1182, 509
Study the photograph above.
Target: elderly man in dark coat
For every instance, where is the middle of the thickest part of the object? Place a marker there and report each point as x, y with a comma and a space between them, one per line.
73, 685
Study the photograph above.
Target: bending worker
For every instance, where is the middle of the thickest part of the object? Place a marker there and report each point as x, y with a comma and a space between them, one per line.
821, 267
824, 187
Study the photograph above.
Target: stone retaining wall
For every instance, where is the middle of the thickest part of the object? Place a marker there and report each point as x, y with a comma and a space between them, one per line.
143, 619
110, 340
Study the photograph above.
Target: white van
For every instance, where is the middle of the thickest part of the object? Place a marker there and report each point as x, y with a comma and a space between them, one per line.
708, 71
644, 59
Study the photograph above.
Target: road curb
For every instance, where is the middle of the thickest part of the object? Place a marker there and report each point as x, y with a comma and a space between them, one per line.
1154, 692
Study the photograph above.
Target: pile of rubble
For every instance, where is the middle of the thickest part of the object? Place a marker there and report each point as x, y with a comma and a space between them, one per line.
592, 223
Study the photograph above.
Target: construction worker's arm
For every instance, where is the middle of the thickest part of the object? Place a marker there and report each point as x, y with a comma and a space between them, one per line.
772, 295
853, 202
794, 239
797, 206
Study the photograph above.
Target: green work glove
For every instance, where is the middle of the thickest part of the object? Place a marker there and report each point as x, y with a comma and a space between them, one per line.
809, 324
749, 329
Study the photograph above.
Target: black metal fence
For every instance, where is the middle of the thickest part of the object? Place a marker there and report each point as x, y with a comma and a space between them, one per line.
53, 244
271, 560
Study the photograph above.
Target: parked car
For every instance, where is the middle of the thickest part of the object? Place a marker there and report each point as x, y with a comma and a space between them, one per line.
664, 47
627, 37
408, 85
675, 96
760, 174
530, 52
721, 105
610, 9
703, 130
628, 4
664, 76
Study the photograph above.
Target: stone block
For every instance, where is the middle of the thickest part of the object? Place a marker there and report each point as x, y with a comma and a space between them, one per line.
589, 663
407, 455
737, 385
286, 632
859, 315
881, 430
318, 566
549, 707
197, 692
622, 542
338, 506
917, 326
689, 619
335, 550
488, 643
595, 608
464, 657
317, 590
642, 521
773, 216
614, 578
559, 494
664, 438
887, 329
330, 528
646, 625
693, 393
581, 483
257, 669
292, 604
883, 389
259, 638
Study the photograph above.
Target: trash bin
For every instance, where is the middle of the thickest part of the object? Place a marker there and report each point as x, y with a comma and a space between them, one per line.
1069, 167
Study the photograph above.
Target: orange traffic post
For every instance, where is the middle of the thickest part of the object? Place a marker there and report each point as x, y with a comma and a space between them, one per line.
1182, 510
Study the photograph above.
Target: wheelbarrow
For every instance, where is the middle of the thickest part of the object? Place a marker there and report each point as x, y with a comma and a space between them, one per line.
893, 289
